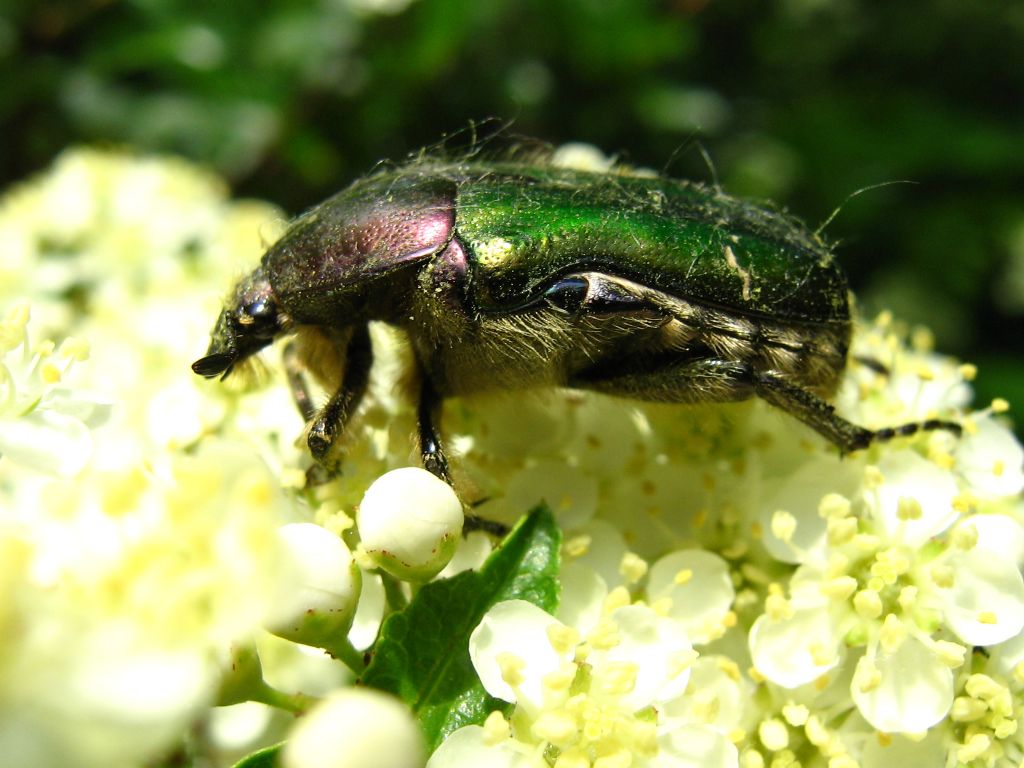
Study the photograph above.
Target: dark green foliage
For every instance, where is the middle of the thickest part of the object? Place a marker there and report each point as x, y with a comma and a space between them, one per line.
264, 758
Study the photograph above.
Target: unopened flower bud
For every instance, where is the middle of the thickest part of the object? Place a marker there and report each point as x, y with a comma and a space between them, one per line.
410, 522
318, 608
355, 728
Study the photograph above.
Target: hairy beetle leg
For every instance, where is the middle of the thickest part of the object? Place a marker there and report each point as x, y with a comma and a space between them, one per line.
329, 422
821, 416
433, 457
294, 369
477, 523
873, 364
715, 380
428, 411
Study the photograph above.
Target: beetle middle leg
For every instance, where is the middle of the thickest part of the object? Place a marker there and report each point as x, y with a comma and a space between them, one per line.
427, 413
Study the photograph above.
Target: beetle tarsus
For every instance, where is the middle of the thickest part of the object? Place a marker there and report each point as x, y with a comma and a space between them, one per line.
873, 364
318, 475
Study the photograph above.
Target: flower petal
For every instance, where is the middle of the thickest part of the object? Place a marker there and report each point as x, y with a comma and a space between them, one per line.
692, 745
700, 588
933, 749
929, 489
1002, 536
604, 551
570, 492
913, 689
985, 604
715, 696
469, 746
991, 459
47, 441
797, 649
91, 408
582, 600
516, 630
800, 495
657, 649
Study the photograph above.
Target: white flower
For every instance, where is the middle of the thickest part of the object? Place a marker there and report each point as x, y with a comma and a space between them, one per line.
323, 587
851, 588
913, 499
601, 694
990, 459
355, 728
122, 592
44, 425
899, 686
699, 589
410, 523
487, 745
902, 582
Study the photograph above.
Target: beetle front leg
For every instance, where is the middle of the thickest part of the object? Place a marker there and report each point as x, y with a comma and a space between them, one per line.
329, 422
428, 413
294, 372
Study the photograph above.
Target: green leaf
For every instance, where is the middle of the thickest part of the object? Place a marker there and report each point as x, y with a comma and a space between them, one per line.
422, 655
261, 758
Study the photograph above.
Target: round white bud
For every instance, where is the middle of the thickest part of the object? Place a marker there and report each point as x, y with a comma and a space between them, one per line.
322, 593
410, 523
355, 728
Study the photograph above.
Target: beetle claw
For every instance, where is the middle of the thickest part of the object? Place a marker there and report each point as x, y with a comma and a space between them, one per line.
318, 475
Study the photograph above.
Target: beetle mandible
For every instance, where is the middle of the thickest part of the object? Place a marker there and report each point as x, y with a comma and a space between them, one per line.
509, 275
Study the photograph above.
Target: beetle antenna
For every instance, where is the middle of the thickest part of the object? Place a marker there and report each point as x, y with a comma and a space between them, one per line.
855, 193
710, 164
685, 145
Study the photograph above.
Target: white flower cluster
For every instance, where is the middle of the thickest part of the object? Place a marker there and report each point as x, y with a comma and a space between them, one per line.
733, 593
605, 682
879, 601
133, 555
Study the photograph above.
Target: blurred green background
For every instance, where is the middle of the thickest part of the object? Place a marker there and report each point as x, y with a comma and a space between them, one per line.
799, 101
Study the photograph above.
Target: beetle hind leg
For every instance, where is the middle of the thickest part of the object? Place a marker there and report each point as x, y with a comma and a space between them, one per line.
821, 416
712, 380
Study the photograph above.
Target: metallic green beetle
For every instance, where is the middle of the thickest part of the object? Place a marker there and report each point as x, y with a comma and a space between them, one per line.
511, 275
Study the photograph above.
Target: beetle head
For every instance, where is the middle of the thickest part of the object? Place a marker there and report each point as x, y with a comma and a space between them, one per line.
248, 323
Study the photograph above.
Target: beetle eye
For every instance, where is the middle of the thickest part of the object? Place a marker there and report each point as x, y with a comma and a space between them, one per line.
259, 317
568, 294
